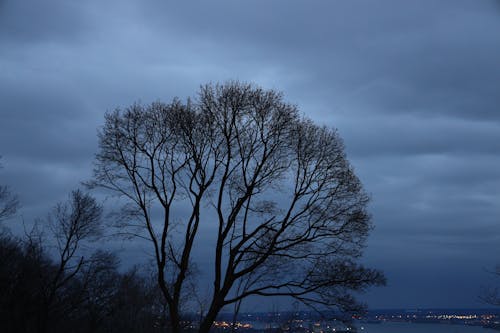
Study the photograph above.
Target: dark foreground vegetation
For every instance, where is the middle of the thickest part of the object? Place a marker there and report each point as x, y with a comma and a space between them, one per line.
51, 280
95, 298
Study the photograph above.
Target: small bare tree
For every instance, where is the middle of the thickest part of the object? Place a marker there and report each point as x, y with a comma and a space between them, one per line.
71, 224
287, 212
9, 203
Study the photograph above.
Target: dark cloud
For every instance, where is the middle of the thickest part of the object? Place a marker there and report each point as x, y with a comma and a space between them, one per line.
411, 86
55, 21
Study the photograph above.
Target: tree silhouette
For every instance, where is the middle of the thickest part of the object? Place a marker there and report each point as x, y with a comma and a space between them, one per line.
287, 212
9, 203
71, 224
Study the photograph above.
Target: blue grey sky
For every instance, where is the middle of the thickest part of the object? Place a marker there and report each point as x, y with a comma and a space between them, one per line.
412, 86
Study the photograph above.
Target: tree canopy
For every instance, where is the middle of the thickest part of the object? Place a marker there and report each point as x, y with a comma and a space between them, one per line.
288, 213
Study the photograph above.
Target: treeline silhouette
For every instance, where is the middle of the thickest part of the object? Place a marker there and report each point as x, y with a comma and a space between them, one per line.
98, 298
50, 283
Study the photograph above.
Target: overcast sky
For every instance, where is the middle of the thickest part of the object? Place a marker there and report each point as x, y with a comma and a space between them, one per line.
412, 86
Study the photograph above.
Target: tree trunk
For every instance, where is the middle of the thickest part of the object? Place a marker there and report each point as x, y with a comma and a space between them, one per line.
175, 320
207, 323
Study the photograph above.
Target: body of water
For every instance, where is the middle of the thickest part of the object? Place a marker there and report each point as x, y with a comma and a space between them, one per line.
421, 328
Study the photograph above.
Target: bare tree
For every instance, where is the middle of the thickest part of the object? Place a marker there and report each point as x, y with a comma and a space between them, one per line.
71, 224
288, 212
9, 202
